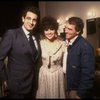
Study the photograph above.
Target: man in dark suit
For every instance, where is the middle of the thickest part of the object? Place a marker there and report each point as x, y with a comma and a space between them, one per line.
80, 60
22, 60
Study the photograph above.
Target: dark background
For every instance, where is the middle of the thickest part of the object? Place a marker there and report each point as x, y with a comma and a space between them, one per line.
10, 13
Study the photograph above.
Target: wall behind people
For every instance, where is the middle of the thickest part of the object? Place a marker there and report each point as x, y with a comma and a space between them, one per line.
10, 13
63, 9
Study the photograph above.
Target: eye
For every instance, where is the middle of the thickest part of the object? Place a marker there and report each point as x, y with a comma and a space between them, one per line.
28, 18
45, 29
52, 29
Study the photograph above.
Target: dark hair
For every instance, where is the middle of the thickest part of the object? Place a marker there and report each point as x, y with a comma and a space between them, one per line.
31, 9
78, 22
48, 22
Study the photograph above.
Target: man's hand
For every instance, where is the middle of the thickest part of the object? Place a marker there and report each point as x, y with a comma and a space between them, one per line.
5, 86
77, 97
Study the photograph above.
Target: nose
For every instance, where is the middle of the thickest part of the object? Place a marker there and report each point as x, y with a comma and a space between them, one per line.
66, 30
49, 31
31, 21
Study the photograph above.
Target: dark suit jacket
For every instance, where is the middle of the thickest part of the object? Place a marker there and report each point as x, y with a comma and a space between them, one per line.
80, 66
21, 64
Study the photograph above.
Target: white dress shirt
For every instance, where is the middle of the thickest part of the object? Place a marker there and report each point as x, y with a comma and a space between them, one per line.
65, 60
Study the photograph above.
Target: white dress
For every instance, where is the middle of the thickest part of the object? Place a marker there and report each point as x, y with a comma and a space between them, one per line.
51, 80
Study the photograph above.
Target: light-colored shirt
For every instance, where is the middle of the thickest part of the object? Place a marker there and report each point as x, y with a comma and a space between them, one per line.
66, 53
65, 60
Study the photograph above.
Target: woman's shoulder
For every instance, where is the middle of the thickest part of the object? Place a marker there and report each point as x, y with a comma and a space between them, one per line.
42, 41
61, 40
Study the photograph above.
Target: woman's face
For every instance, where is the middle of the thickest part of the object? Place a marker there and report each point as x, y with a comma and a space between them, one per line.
50, 34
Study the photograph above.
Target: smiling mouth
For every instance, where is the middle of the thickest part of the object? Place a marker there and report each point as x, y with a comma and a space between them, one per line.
49, 35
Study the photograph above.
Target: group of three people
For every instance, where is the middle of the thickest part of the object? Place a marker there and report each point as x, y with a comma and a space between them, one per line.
42, 75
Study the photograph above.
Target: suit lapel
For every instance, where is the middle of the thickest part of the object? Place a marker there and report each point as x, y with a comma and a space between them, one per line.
25, 40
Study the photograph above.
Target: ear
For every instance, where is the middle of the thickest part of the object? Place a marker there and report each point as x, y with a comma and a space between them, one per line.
23, 19
78, 32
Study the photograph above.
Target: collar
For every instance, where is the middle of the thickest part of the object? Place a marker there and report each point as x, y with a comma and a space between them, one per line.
25, 31
71, 41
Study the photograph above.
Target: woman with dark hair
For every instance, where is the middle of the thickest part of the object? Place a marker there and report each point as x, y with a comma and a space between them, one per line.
51, 77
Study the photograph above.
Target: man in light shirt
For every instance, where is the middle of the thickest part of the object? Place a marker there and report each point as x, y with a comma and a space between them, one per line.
80, 61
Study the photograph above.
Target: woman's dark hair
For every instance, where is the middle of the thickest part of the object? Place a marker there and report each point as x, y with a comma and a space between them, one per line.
78, 22
48, 22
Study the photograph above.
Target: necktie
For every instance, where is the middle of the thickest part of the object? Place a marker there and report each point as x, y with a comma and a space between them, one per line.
31, 42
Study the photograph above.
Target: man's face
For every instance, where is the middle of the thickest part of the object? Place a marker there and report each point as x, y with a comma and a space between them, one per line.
70, 31
29, 21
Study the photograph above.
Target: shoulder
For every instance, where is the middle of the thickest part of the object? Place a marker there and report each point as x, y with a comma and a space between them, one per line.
85, 42
61, 41
86, 45
42, 41
62, 44
11, 31
8, 33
